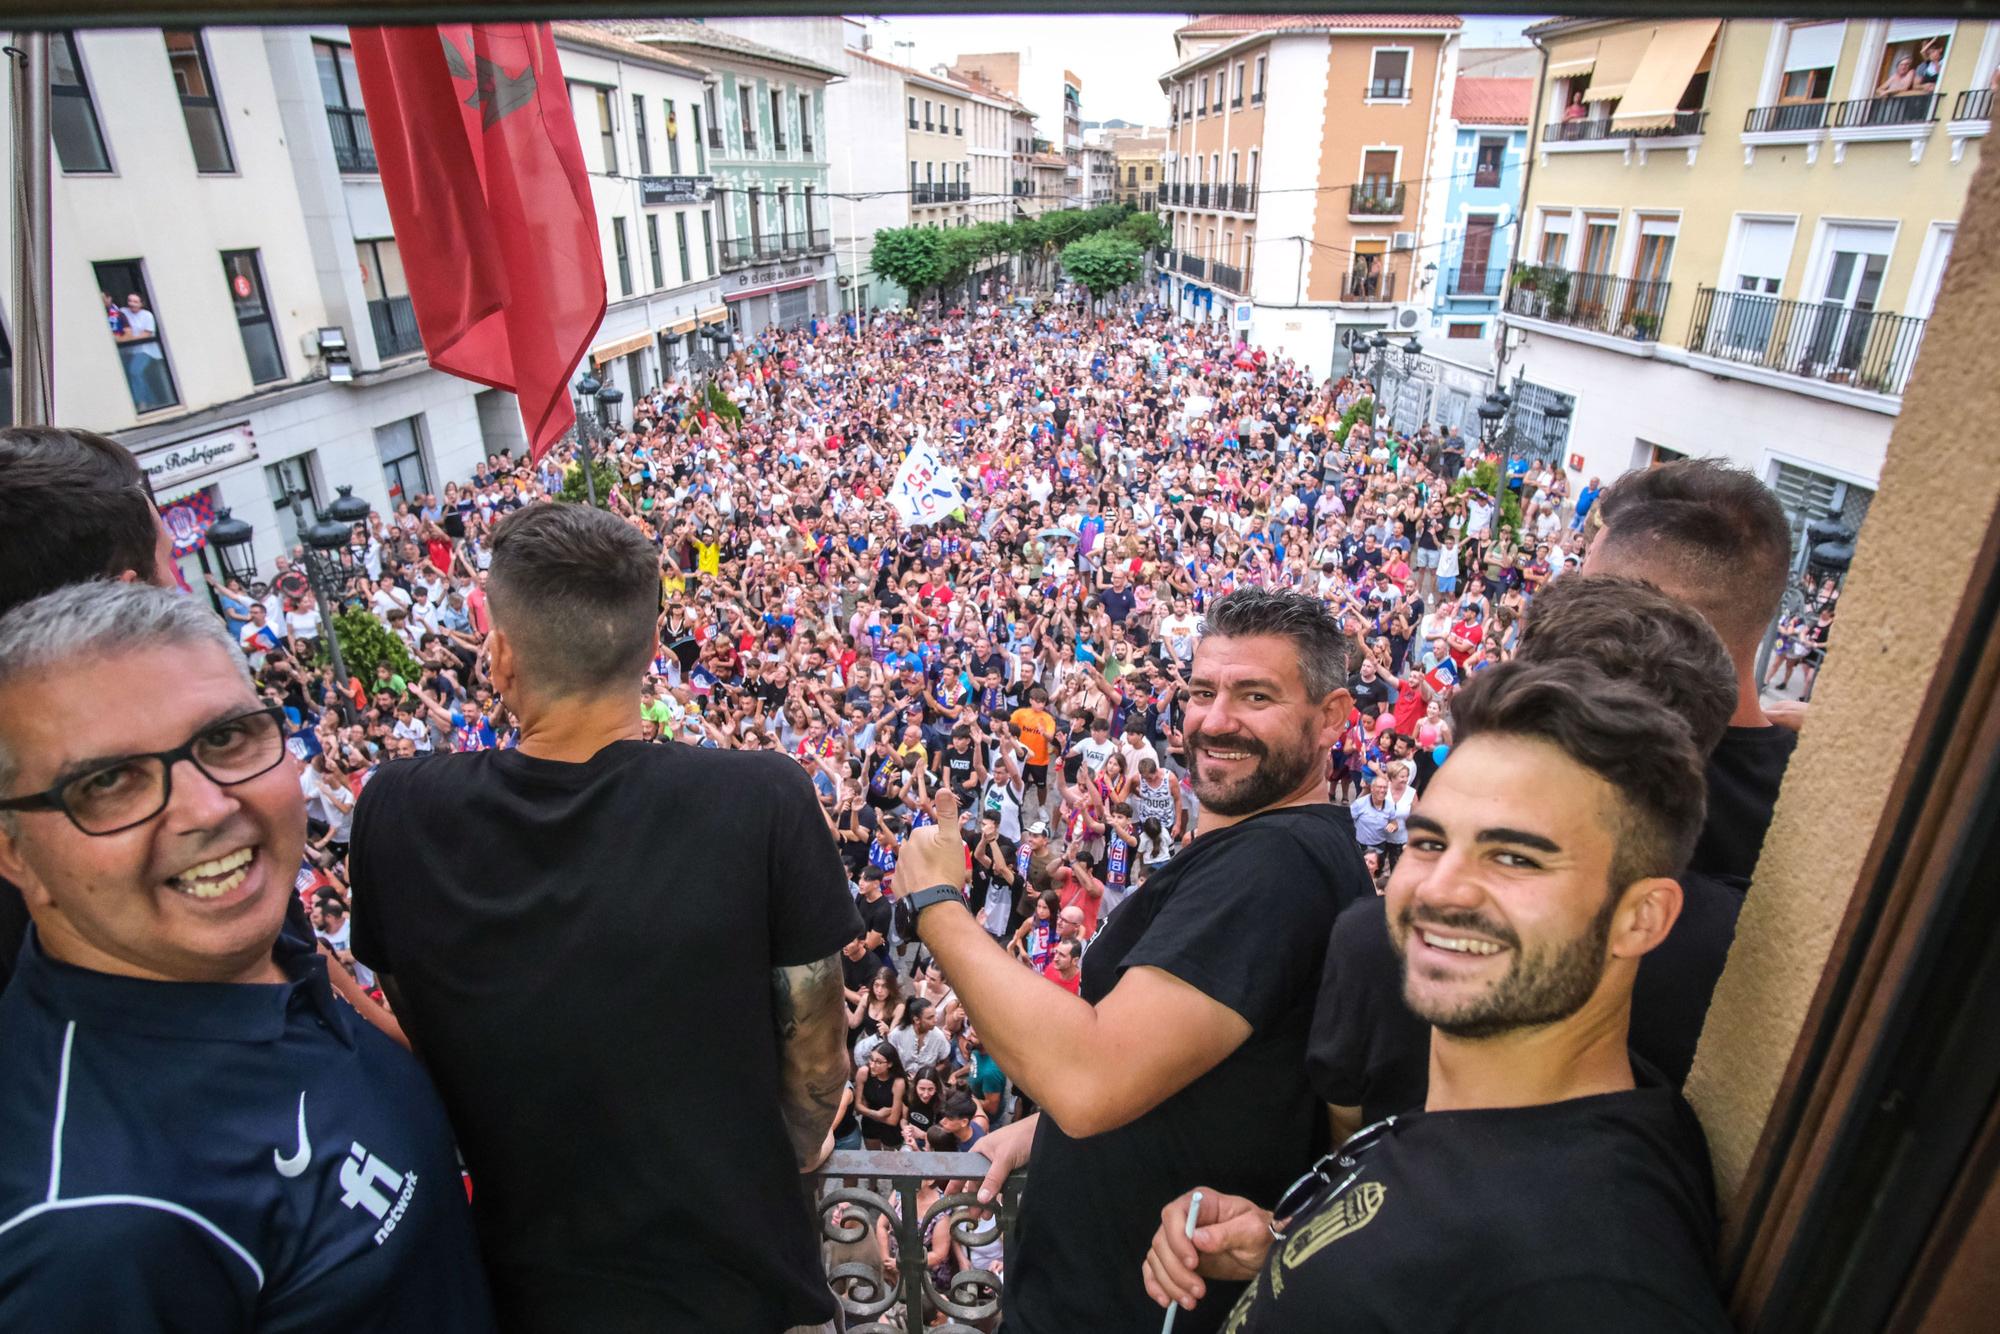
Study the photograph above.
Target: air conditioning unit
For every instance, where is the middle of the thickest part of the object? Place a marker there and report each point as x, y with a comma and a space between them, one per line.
1403, 241
1407, 319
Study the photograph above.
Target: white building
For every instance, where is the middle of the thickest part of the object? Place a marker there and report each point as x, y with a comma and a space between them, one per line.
220, 186
634, 108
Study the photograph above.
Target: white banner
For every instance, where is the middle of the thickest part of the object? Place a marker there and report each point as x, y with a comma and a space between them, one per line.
925, 489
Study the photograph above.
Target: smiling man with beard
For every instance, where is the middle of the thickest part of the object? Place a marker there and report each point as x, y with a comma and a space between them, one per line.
1550, 1184
1183, 1060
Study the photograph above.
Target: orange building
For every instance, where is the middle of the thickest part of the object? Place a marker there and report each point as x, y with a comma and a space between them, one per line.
1306, 167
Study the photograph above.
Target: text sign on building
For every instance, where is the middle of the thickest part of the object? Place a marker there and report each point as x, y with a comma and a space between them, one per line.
674, 189
169, 466
776, 273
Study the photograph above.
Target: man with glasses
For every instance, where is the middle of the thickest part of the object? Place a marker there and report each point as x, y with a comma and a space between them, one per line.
1549, 1183
238, 1153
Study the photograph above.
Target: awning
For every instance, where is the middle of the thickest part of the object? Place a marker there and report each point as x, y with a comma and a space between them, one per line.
713, 315
1569, 59
1618, 55
1671, 58
680, 326
606, 351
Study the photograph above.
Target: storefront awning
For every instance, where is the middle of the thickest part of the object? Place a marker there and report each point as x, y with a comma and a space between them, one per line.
714, 315
1656, 88
1618, 57
1569, 59
681, 326
604, 352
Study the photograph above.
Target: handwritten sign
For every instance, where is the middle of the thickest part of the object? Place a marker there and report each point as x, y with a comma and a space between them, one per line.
926, 488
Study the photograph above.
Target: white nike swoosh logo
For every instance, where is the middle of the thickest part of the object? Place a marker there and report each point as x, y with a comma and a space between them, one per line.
292, 1166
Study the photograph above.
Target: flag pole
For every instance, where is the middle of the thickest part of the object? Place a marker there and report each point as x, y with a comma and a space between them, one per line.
34, 325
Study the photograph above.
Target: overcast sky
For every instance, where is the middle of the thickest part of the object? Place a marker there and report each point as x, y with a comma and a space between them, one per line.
1120, 57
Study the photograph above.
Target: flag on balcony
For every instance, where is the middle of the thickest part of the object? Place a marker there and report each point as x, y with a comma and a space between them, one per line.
491, 205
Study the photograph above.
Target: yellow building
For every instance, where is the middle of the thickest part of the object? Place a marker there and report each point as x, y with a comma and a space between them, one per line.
1138, 156
1734, 234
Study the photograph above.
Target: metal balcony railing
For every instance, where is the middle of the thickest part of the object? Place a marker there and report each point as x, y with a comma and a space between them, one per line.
1371, 285
1236, 198
395, 323
1236, 102
778, 142
1388, 88
1592, 128
1863, 349
1869, 112
1599, 302
715, 137
1786, 116
857, 1189
1477, 282
1226, 275
1376, 199
1973, 104
1201, 195
353, 145
921, 194
749, 140
806, 145
1193, 266
1257, 98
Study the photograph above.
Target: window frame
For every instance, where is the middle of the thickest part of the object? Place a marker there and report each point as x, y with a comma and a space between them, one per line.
1262, 73
1403, 92
137, 268
269, 320
211, 102
607, 129
1479, 146
642, 148
670, 125
79, 91
681, 239
653, 251
417, 452
621, 242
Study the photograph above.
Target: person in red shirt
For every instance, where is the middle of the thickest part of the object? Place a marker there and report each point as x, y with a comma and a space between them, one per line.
1065, 968
1081, 890
1466, 635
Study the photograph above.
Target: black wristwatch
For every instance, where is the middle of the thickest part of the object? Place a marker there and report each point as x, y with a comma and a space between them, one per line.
931, 896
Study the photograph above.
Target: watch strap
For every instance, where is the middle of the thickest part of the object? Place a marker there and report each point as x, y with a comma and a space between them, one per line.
931, 895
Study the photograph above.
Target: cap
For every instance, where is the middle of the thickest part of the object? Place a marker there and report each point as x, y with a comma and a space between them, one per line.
1039, 827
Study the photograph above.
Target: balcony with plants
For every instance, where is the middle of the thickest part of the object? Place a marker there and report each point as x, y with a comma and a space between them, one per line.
1601, 303
1376, 200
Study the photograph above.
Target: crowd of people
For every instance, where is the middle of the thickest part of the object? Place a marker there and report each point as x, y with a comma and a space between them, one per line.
1035, 707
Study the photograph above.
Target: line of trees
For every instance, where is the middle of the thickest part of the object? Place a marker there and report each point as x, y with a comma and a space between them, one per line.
1102, 248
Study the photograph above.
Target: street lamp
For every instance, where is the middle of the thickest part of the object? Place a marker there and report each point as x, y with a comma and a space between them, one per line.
587, 386
608, 399
331, 533
232, 539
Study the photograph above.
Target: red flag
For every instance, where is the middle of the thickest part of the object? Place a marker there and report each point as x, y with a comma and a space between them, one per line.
491, 205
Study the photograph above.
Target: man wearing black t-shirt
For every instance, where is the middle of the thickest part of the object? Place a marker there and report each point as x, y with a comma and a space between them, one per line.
1182, 1060
596, 943
1715, 537
1370, 1054
1550, 1184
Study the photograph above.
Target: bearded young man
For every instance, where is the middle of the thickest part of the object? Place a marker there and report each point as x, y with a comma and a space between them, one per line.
1183, 1058
1549, 1184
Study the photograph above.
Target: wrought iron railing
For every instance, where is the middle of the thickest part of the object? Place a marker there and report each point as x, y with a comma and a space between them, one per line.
1622, 307
395, 322
1786, 116
1388, 88
1257, 98
1869, 112
1973, 104
859, 1195
921, 194
1237, 198
715, 137
353, 145
1367, 285
1194, 266
1226, 275
1592, 128
1201, 195
1477, 282
749, 139
1377, 199
1863, 349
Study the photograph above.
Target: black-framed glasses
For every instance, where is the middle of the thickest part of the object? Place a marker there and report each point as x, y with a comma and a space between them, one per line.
116, 795
1328, 1179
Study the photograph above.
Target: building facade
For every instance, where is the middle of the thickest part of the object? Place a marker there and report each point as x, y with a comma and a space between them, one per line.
264, 341
1136, 158
1482, 214
935, 146
1100, 174
635, 113
764, 117
1309, 228
1734, 232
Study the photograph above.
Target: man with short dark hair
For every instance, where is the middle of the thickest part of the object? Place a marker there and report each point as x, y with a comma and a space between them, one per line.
1182, 1059
547, 918
1713, 536
1541, 871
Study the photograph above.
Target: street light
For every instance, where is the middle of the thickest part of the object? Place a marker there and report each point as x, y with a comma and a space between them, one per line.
232, 539
587, 386
331, 533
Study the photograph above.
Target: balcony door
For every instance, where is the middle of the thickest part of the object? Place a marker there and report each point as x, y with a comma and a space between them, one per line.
1855, 260
1750, 309
1593, 277
1477, 254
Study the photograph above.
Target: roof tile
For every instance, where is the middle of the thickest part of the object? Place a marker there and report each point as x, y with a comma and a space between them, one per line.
1493, 101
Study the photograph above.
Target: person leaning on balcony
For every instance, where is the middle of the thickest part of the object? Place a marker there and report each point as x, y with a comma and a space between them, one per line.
1550, 1183
1576, 110
1902, 79
1183, 1058
544, 919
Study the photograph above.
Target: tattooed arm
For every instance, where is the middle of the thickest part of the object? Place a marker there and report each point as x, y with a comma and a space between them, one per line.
808, 1011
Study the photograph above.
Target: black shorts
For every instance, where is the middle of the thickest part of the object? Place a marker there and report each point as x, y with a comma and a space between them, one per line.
1035, 775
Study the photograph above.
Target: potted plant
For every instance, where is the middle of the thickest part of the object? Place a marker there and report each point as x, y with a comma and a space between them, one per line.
1645, 325
1525, 276
1558, 301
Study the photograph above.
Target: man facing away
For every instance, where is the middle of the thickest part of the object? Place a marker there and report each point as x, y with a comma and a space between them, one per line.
621, 962
1549, 1185
194, 1134
1182, 1059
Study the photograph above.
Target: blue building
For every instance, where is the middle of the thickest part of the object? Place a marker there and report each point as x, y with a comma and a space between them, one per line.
1482, 210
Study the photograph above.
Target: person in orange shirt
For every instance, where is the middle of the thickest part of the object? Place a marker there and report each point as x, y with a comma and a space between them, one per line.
1036, 727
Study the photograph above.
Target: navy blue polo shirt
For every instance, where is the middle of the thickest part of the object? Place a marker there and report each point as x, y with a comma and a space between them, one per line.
216, 1157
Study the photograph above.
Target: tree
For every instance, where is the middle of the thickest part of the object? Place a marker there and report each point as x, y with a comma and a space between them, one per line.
910, 257
573, 490
365, 643
1103, 263
1145, 230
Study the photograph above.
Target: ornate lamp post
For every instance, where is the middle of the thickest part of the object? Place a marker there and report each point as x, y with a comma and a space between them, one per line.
587, 386
331, 533
232, 541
